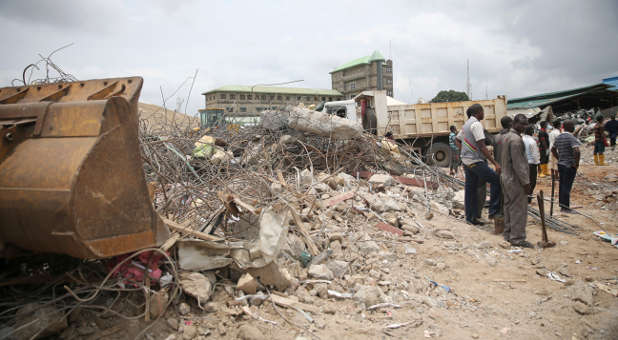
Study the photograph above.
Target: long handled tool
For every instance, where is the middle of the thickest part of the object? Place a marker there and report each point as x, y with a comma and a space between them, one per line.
545, 243
553, 189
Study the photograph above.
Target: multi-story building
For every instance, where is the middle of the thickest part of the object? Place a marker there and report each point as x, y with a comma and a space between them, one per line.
372, 72
240, 100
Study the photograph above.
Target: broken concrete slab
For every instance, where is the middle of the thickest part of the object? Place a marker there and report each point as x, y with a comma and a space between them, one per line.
323, 124
202, 255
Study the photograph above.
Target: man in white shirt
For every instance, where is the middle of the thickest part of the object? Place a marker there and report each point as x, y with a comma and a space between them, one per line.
474, 156
553, 161
533, 155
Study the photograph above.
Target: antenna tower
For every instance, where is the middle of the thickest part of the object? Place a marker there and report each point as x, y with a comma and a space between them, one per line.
468, 91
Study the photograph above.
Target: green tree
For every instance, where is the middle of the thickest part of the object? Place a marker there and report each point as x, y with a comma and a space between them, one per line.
450, 96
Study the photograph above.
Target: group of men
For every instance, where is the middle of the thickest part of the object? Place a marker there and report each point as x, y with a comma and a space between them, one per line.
515, 160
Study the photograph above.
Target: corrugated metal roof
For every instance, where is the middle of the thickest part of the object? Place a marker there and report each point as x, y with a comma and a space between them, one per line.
544, 99
613, 81
375, 56
275, 89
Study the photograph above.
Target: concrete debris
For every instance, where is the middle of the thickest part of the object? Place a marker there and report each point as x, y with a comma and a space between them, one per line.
582, 292
368, 247
247, 284
320, 272
381, 180
338, 268
248, 332
323, 124
369, 295
158, 303
273, 276
202, 255
196, 285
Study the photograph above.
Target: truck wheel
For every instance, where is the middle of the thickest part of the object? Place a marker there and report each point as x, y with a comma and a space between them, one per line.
439, 155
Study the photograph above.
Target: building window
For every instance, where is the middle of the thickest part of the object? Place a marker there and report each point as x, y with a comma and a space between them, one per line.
323, 98
263, 97
287, 97
389, 81
249, 97
242, 97
272, 97
351, 85
330, 99
259, 109
232, 96
298, 98
229, 109
388, 69
222, 95
389, 93
279, 98
243, 109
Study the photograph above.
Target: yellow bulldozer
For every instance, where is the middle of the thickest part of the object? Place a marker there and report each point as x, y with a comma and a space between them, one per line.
71, 177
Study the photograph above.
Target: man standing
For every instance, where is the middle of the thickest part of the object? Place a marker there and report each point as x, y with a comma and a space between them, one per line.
612, 129
474, 156
543, 150
599, 142
555, 132
515, 184
566, 150
533, 156
454, 164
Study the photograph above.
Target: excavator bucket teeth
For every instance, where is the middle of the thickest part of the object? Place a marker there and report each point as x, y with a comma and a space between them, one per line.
71, 177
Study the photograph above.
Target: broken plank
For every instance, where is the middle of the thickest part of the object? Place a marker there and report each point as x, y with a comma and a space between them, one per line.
389, 228
289, 303
415, 182
177, 227
337, 199
313, 249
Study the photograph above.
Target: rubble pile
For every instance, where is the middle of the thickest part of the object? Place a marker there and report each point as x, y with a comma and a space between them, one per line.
298, 209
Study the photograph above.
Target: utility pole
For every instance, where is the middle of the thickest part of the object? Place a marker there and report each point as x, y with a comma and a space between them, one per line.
468, 90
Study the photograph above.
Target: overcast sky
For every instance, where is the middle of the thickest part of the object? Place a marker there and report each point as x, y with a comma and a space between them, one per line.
516, 48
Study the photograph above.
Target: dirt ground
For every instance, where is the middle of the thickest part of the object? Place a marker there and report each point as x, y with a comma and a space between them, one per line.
484, 289
496, 292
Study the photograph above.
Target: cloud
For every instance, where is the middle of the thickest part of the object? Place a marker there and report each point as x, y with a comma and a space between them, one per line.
515, 48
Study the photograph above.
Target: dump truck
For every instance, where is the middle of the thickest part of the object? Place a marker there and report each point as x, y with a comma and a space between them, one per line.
71, 175
424, 126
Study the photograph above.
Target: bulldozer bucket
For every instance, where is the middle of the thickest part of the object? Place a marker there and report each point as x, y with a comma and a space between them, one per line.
71, 177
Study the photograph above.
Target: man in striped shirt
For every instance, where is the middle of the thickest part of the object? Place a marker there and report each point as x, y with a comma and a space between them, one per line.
566, 150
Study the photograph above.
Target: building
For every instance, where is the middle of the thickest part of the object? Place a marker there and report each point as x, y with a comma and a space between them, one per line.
598, 96
249, 101
372, 72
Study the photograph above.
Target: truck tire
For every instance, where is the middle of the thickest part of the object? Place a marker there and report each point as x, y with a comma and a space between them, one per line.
439, 155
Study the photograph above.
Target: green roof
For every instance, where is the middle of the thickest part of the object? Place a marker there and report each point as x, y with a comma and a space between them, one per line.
275, 89
544, 99
375, 56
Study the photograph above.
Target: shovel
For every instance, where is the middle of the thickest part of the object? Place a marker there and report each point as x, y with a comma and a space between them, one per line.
545, 243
